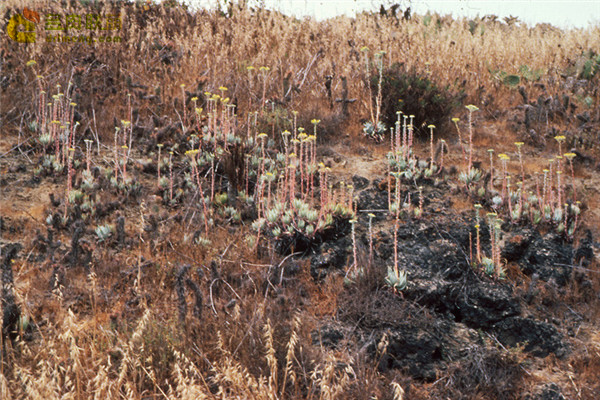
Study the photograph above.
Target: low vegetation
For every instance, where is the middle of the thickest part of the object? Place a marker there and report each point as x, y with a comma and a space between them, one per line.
235, 203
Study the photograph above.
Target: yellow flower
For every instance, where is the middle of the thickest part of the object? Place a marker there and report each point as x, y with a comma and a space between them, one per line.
570, 156
31, 63
560, 138
455, 120
472, 108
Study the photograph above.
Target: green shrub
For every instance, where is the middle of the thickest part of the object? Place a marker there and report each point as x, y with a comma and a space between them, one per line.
414, 94
525, 74
590, 64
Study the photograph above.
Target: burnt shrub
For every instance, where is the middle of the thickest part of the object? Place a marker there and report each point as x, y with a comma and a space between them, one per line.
406, 90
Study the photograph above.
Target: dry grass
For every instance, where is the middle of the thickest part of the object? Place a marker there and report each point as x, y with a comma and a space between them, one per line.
210, 50
113, 332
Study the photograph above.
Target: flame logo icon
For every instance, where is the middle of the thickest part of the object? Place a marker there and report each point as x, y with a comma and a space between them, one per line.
31, 15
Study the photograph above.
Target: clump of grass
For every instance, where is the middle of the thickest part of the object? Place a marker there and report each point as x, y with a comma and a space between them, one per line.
415, 94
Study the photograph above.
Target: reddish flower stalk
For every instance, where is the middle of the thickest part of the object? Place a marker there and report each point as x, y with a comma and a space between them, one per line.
201, 192
396, 224
160, 146
116, 153
471, 247
171, 176
570, 156
88, 146
431, 128
389, 185
404, 140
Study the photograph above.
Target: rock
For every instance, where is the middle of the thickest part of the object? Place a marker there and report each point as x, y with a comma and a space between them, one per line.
476, 305
331, 256
481, 305
539, 338
584, 117
584, 254
421, 349
518, 243
359, 182
414, 351
373, 199
549, 257
327, 336
549, 391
